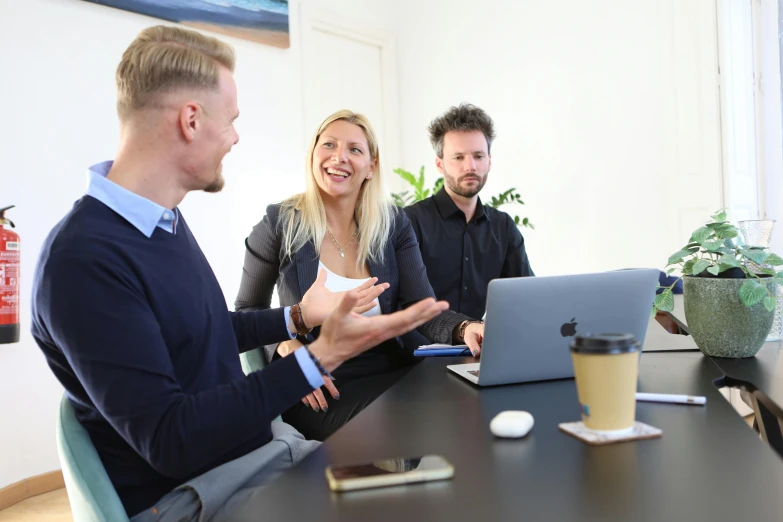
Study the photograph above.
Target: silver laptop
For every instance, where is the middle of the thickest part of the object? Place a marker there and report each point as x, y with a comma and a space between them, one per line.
531, 321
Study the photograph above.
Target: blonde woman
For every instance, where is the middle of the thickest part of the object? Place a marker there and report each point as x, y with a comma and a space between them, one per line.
341, 231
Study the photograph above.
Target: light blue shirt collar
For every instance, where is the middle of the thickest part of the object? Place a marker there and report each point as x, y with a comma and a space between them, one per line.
139, 211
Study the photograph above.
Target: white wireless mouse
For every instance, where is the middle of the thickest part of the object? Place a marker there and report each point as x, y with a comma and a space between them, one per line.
511, 424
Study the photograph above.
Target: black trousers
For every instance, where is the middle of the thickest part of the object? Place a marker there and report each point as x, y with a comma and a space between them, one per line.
355, 394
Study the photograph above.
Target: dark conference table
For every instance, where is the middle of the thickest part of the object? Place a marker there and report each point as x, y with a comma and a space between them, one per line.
707, 466
761, 376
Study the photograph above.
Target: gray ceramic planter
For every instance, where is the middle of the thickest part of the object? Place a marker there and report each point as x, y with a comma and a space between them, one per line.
720, 324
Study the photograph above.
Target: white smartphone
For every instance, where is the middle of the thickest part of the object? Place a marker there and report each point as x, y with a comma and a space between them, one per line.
390, 472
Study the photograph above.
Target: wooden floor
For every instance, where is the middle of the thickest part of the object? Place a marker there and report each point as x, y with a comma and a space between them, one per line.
49, 507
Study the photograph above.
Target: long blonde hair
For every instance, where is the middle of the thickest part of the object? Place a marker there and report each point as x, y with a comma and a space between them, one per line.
163, 58
303, 216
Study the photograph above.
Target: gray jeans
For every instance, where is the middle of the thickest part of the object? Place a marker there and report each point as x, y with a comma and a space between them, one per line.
213, 495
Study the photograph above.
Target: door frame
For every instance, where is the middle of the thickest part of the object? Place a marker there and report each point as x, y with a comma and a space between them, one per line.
317, 19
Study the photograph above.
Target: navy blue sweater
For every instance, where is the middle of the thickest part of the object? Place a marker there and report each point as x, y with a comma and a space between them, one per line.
138, 332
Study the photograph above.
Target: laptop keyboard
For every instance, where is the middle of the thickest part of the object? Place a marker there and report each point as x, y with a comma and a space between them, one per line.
474, 372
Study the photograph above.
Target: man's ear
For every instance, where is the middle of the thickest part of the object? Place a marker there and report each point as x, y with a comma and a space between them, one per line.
190, 120
489, 167
439, 164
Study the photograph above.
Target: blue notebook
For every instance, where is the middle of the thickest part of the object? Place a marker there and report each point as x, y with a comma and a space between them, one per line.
441, 350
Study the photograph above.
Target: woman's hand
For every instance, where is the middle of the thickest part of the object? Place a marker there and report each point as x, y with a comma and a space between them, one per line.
315, 400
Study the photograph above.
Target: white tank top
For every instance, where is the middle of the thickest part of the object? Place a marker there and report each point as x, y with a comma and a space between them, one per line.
336, 283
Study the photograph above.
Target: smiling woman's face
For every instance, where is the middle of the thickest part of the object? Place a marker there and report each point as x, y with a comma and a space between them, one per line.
341, 160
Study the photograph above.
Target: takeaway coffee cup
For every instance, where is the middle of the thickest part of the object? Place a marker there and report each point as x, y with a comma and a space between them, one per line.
606, 367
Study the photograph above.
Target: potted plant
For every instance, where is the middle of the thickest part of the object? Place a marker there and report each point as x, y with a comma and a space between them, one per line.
728, 289
405, 198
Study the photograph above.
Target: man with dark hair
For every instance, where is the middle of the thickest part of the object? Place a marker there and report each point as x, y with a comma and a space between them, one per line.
464, 243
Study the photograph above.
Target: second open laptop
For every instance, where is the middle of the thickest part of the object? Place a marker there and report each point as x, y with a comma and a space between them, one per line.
531, 321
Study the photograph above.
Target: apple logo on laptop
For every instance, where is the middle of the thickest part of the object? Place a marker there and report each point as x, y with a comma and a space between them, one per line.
569, 329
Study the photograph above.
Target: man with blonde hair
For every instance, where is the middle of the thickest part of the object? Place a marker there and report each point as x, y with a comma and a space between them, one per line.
132, 321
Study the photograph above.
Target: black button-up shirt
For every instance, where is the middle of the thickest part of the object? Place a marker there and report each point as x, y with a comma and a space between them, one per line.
462, 258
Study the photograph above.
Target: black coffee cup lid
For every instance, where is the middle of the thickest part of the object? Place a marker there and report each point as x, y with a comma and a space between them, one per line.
604, 343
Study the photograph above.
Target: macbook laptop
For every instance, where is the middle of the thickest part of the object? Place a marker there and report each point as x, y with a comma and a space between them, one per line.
530, 322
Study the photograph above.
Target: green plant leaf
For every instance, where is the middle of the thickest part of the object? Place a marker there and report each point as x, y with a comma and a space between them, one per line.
774, 260
701, 234
752, 292
516, 220
712, 246
677, 257
720, 216
687, 268
714, 270
407, 176
438, 185
728, 260
665, 301
669, 271
700, 266
653, 312
757, 256
769, 303
729, 232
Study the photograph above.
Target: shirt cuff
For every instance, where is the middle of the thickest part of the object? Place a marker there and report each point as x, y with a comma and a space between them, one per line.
287, 315
308, 368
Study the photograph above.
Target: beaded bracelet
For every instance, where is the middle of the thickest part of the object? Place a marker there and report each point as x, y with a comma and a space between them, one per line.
318, 364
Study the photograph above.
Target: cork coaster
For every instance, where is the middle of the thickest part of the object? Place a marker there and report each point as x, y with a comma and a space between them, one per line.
639, 431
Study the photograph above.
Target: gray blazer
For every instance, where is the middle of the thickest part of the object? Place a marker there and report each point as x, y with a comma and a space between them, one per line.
267, 265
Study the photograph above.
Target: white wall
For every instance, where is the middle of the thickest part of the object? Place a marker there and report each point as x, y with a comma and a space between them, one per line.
770, 113
59, 118
606, 114
606, 111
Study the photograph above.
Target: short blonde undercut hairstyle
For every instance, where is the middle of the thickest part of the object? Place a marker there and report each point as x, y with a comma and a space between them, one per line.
164, 58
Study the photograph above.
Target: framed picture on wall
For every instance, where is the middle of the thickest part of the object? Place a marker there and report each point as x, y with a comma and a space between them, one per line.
263, 21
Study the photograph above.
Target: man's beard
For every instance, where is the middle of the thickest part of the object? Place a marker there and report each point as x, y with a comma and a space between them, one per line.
455, 187
216, 186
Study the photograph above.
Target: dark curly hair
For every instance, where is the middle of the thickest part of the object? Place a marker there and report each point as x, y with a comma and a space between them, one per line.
463, 118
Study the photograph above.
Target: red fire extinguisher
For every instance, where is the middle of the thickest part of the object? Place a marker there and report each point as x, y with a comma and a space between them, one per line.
9, 280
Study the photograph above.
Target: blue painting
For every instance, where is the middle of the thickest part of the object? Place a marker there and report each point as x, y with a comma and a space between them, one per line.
264, 21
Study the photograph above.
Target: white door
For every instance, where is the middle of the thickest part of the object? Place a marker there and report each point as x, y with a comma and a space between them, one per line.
738, 109
345, 67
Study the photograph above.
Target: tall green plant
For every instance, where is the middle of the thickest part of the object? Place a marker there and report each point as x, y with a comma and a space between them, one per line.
716, 248
418, 193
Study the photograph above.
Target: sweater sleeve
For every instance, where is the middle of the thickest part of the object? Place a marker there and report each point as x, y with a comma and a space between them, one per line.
97, 314
260, 327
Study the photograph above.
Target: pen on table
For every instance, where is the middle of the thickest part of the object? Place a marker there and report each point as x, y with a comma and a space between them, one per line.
666, 397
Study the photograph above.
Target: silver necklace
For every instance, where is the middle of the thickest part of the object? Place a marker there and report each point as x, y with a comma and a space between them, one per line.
341, 248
